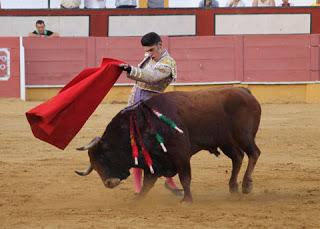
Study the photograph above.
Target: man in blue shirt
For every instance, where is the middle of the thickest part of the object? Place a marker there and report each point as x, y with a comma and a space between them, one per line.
126, 3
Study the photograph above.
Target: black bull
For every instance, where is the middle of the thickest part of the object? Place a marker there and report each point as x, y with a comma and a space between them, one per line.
226, 118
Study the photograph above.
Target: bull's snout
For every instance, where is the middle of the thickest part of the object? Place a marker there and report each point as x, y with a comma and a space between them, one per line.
111, 182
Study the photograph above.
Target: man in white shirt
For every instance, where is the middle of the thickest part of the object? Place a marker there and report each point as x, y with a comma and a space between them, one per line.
235, 3
70, 4
94, 4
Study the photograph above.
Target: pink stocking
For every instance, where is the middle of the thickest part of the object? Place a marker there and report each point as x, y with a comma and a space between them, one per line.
170, 182
137, 178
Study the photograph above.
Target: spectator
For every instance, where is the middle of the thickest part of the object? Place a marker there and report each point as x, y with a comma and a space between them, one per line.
70, 4
126, 3
235, 3
317, 3
208, 3
41, 31
94, 4
263, 3
286, 3
155, 3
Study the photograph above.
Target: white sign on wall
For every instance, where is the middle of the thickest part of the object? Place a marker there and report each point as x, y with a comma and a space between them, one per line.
262, 24
71, 26
4, 64
168, 25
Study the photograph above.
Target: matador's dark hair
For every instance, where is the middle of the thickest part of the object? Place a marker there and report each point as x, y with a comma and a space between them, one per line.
150, 39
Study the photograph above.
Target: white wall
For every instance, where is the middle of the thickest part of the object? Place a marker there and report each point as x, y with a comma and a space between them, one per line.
26, 4
64, 25
262, 24
140, 25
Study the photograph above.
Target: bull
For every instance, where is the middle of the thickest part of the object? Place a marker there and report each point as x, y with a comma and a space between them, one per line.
225, 119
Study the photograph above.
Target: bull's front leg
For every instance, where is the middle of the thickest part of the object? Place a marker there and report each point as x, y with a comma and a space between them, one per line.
148, 182
185, 179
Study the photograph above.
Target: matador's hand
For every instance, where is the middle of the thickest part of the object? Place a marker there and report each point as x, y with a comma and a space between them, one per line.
125, 67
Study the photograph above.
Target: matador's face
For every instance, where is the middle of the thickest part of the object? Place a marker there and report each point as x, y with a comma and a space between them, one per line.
154, 51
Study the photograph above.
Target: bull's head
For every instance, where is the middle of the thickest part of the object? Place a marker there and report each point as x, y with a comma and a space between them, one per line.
110, 156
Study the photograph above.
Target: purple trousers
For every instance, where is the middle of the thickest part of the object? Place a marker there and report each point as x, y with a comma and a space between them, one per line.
142, 95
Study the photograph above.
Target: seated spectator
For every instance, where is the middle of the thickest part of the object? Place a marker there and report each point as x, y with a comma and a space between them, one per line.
70, 4
41, 31
94, 4
155, 3
235, 3
317, 3
286, 3
208, 3
263, 3
126, 3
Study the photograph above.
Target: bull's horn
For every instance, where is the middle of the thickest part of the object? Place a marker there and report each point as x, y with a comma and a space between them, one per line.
85, 173
93, 143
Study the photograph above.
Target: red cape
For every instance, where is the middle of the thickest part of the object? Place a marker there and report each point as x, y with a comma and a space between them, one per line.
59, 119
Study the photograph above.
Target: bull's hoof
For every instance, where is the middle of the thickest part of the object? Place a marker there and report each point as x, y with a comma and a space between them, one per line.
233, 188
186, 200
247, 187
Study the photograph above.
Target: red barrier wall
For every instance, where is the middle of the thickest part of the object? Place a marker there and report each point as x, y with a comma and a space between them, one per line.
315, 57
277, 58
11, 87
204, 17
207, 59
274, 58
55, 61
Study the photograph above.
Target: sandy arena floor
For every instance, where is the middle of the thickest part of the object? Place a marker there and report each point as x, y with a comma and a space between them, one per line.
38, 188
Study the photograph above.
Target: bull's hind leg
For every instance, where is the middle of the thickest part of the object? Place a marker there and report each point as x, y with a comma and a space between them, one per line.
236, 155
253, 153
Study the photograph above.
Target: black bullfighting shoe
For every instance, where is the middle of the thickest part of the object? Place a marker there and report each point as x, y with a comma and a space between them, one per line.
175, 191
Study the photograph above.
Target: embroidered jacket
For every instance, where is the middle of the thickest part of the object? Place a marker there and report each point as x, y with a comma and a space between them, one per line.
154, 76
